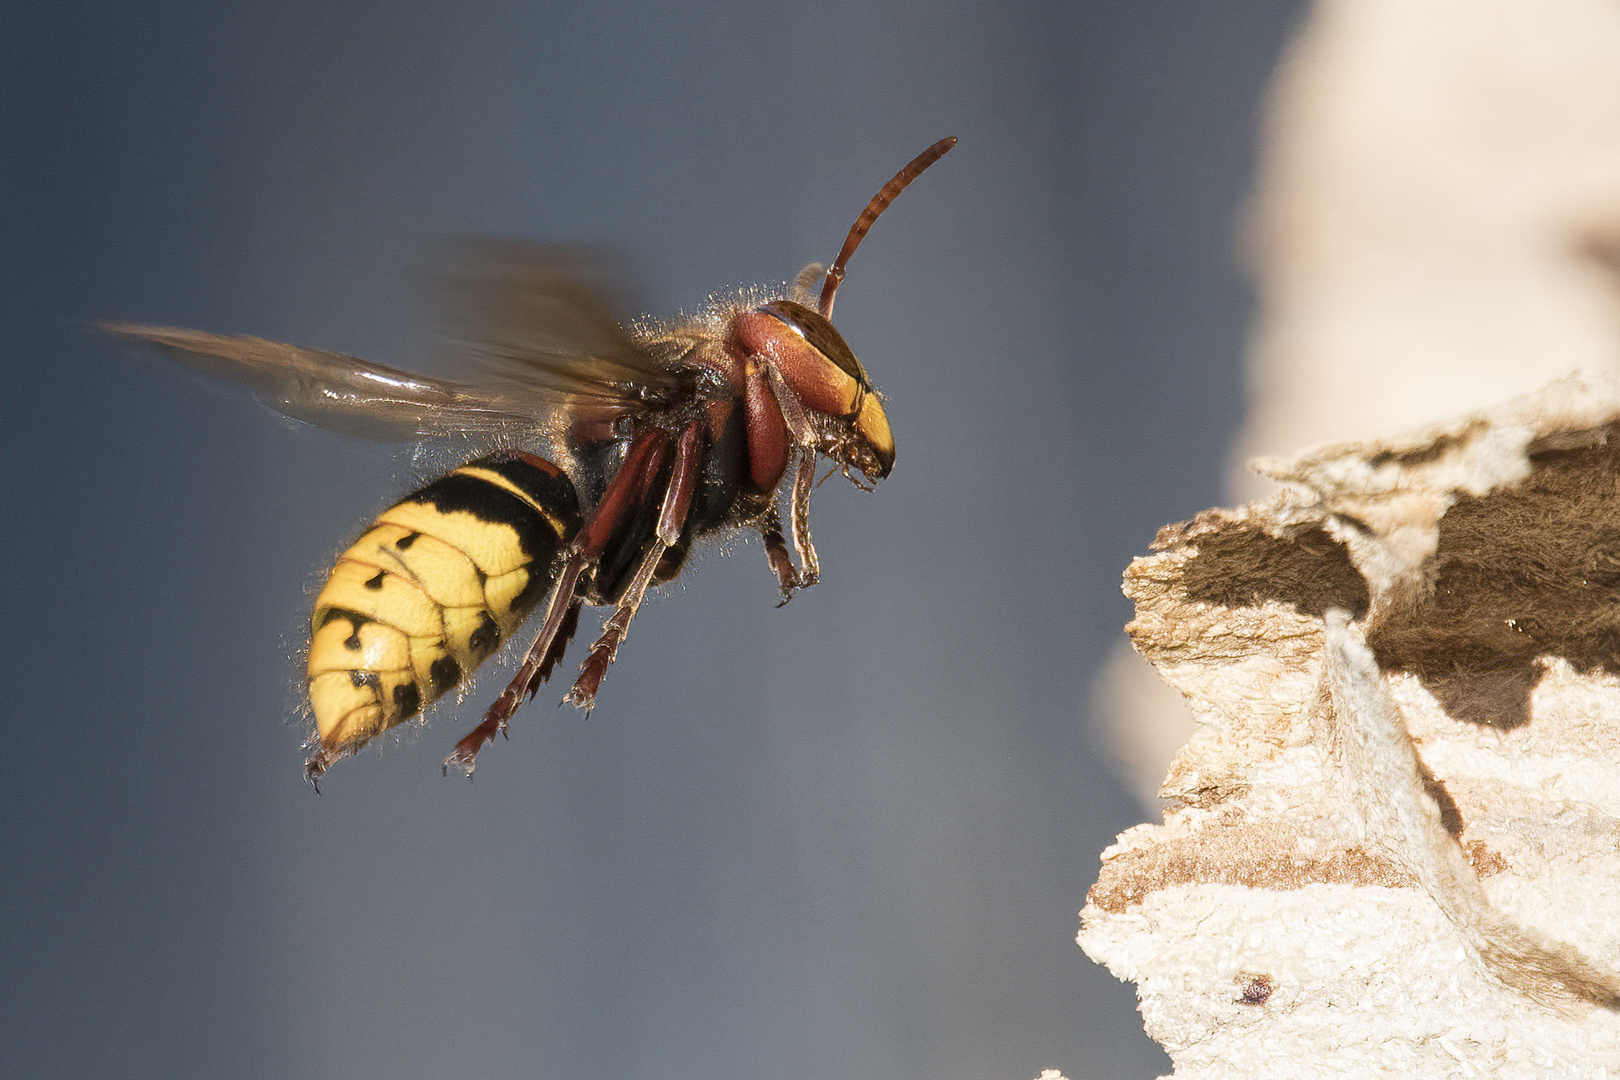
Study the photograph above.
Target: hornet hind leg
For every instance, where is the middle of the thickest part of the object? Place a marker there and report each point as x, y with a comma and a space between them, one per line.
634, 486
671, 520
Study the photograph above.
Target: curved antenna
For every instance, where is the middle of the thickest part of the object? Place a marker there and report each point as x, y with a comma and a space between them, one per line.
880, 202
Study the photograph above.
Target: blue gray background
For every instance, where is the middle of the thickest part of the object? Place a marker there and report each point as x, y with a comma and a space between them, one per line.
844, 839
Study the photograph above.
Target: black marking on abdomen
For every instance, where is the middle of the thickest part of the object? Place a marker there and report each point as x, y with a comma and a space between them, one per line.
408, 698
444, 673
460, 491
356, 621
537, 478
483, 640
537, 585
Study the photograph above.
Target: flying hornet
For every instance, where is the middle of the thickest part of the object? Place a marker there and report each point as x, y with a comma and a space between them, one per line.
656, 435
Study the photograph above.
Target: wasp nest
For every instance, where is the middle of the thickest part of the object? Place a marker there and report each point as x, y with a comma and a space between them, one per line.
1394, 841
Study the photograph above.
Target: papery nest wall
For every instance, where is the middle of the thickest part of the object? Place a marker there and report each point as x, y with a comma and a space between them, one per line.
1394, 842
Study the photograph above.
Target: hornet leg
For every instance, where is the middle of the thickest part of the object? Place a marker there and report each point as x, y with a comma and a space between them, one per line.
803, 433
642, 463
776, 553
776, 549
803, 481
671, 518
543, 655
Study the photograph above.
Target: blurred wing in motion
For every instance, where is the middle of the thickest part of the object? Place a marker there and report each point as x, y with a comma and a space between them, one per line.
527, 321
542, 316
338, 392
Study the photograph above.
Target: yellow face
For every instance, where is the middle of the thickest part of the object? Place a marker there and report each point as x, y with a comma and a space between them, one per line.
872, 425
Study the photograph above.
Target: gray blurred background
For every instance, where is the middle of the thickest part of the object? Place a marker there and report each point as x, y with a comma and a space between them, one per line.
844, 839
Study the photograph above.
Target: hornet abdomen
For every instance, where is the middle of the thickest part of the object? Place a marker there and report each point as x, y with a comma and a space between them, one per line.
431, 590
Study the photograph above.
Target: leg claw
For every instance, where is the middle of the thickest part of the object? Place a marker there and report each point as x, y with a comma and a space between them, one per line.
465, 755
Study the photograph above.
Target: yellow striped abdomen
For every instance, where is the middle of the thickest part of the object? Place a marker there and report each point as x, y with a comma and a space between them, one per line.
430, 591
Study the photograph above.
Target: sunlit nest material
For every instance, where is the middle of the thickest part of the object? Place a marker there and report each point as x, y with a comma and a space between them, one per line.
1401, 812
